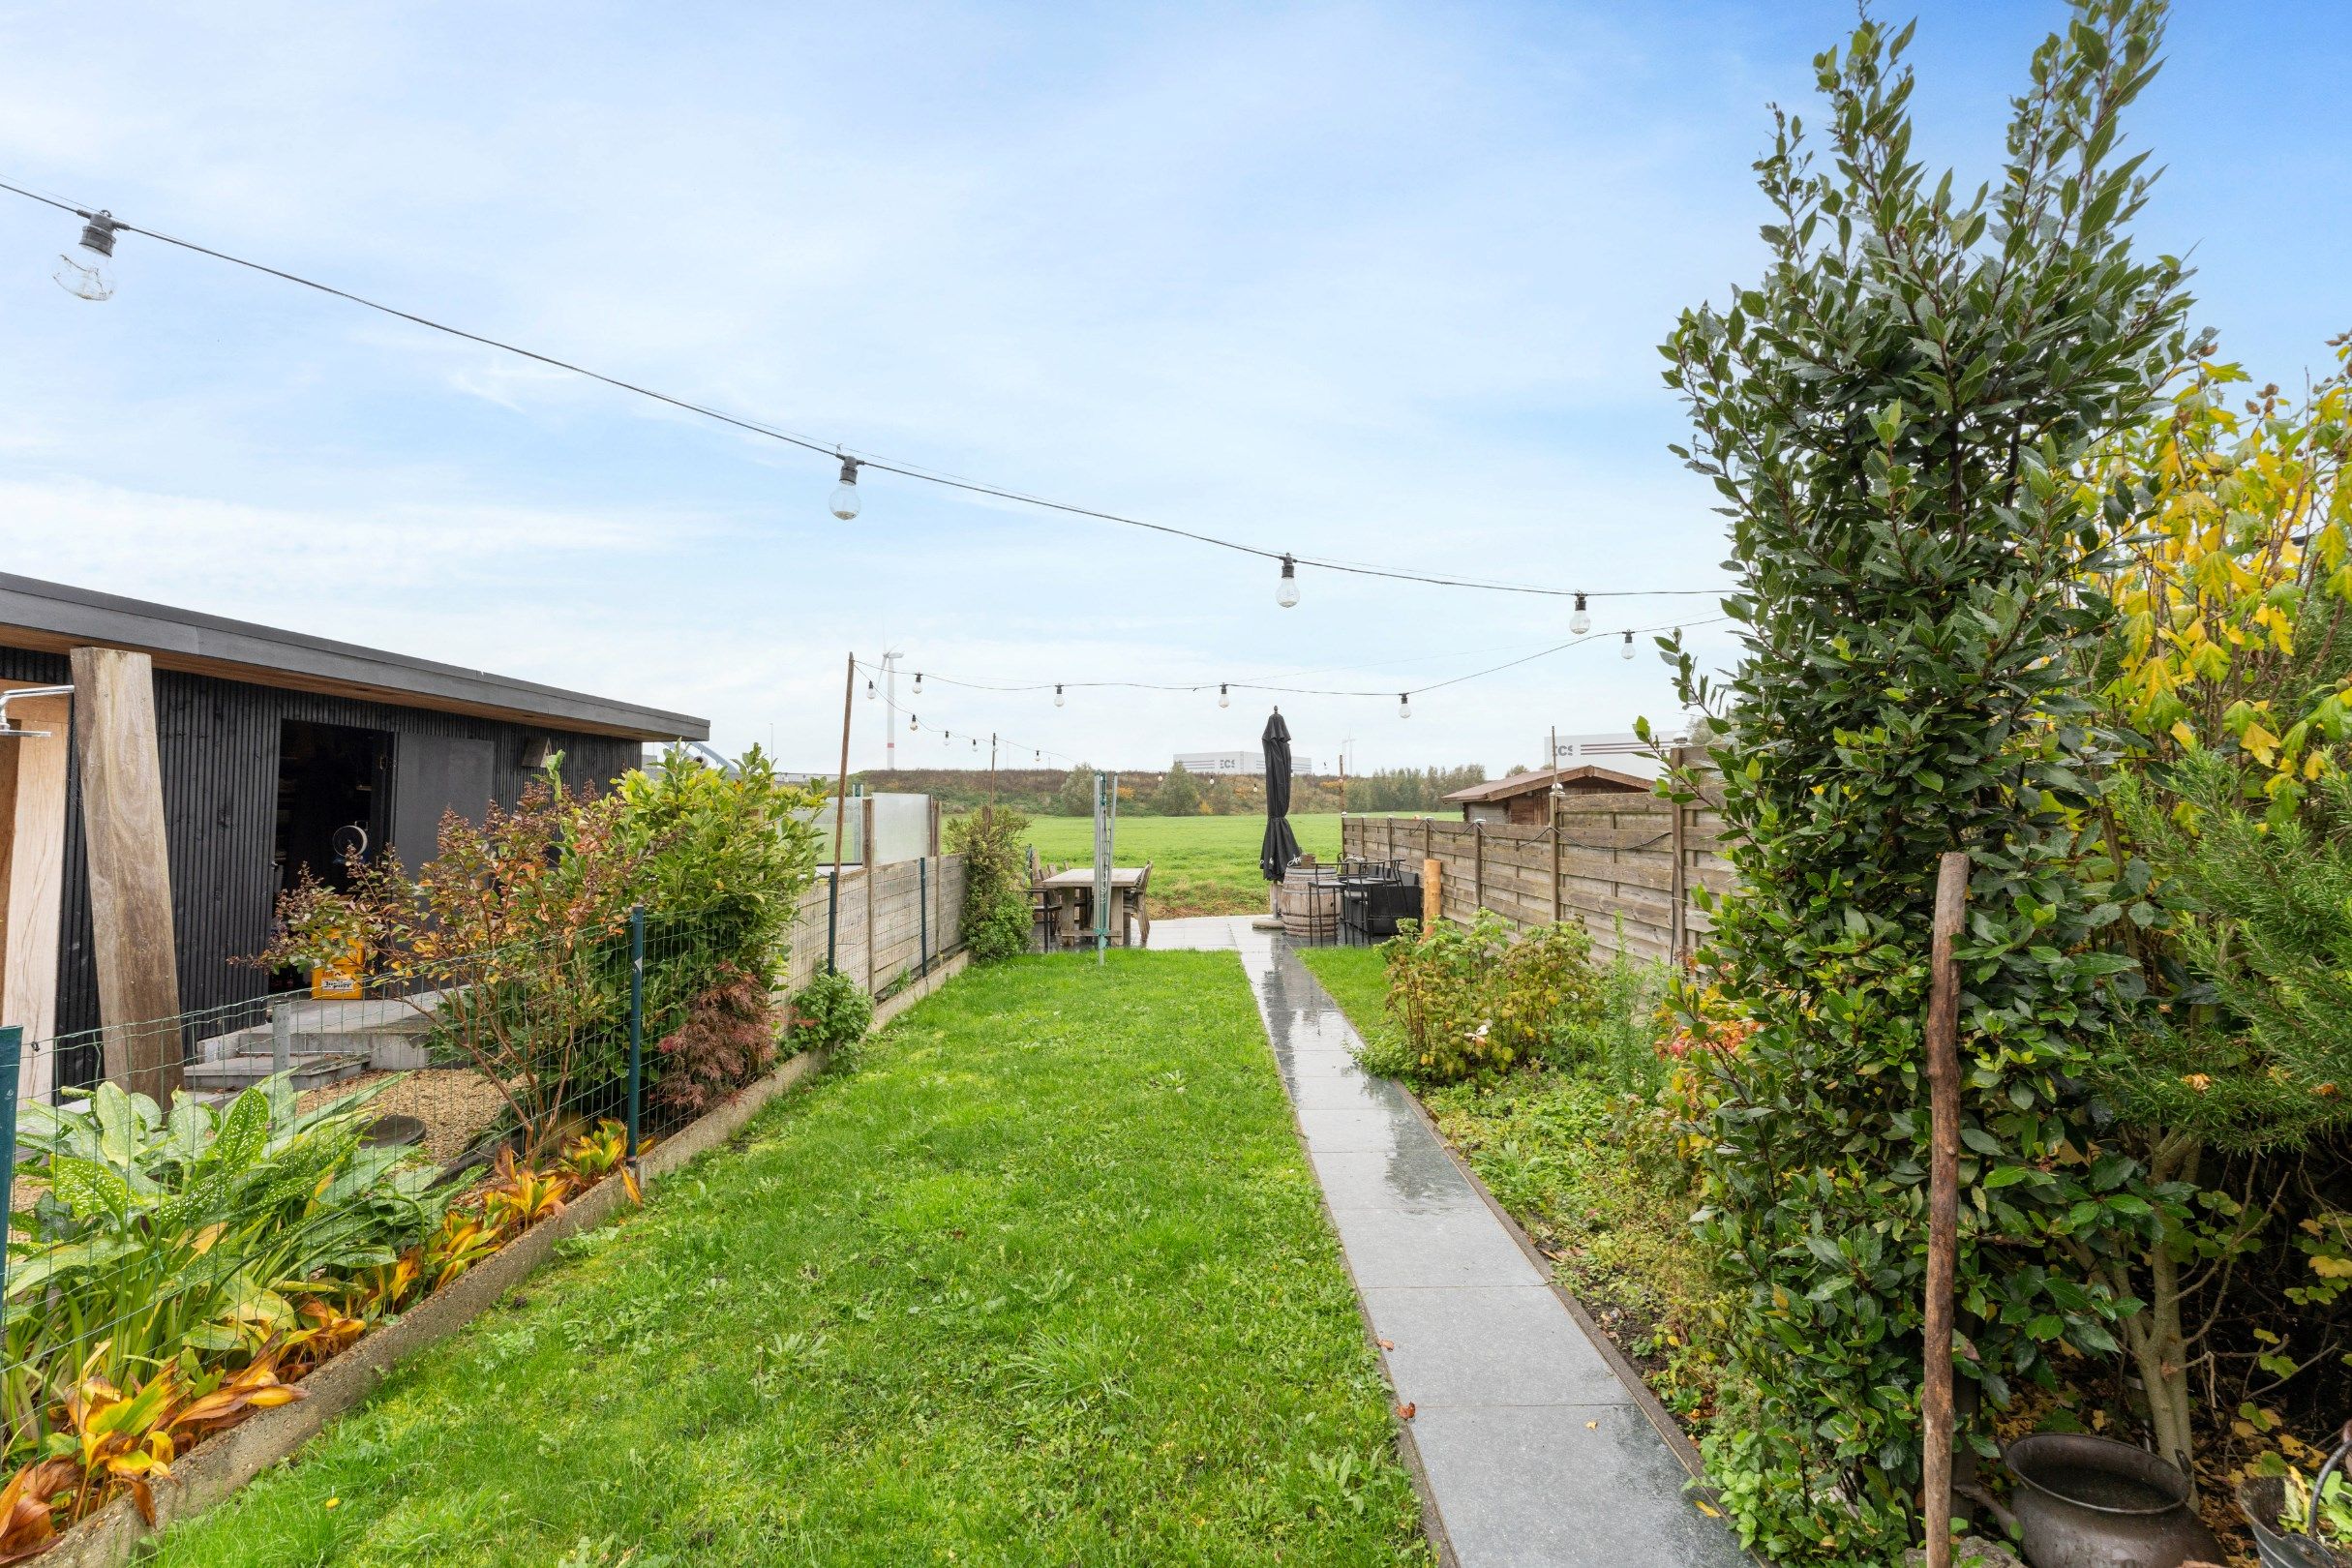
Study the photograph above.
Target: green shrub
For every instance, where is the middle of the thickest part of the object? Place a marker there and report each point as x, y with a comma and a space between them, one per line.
996, 881
1622, 1047
1898, 416
1469, 1000
830, 1011
723, 861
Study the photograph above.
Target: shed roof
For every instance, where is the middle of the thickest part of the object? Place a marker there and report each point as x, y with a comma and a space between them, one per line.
1543, 779
54, 617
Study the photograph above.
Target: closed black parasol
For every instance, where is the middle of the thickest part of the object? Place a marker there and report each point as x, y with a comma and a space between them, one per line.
1282, 844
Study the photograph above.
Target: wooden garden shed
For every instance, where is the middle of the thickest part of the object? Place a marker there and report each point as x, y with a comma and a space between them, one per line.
1523, 798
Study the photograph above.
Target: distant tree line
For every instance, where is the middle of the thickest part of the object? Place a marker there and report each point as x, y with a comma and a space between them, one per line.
1410, 789
1051, 792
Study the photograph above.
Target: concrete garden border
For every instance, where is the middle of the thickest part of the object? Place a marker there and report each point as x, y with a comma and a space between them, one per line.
215, 1468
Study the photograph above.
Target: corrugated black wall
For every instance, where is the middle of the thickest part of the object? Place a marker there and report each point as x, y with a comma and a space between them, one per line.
218, 745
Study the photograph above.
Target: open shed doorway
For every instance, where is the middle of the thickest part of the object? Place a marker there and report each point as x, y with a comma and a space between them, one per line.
333, 789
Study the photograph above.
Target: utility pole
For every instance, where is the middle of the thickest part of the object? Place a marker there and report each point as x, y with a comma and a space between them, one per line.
890, 700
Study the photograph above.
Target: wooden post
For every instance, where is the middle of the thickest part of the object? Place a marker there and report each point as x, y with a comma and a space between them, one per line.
833, 912
32, 876
1942, 1202
1678, 925
865, 855
1478, 872
1559, 897
122, 813
1432, 894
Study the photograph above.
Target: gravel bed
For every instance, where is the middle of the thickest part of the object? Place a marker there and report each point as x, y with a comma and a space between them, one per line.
455, 1104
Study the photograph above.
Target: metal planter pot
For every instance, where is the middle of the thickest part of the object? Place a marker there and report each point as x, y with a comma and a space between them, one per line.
2091, 1502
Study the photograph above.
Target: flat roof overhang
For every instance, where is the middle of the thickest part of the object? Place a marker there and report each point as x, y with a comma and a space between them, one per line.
54, 617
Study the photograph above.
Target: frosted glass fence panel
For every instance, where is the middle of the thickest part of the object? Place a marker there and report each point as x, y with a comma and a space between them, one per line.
902, 828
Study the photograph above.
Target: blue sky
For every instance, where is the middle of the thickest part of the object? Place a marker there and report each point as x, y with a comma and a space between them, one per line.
1373, 282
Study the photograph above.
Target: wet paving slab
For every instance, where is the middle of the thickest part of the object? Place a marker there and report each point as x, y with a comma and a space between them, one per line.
1533, 1450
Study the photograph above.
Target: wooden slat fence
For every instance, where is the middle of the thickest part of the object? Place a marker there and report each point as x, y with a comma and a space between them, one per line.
1618, 863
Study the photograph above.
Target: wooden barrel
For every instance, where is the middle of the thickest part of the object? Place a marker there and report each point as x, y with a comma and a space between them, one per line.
1308, 899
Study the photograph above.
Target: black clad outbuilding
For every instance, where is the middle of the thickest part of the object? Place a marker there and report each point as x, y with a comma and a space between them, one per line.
274, 750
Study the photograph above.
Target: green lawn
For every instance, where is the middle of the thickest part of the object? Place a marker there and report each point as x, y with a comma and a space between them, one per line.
1044, 1282
1200, 865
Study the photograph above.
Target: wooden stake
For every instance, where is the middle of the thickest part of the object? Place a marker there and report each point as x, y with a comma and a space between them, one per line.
1942, 1202
833, 914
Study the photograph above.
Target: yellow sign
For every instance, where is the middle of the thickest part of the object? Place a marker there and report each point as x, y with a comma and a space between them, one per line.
340, 979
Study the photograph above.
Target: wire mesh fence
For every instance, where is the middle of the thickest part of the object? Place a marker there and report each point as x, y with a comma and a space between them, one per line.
264, 1182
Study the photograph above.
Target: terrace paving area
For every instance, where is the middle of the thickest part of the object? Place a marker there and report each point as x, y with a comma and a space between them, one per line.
1531, 1448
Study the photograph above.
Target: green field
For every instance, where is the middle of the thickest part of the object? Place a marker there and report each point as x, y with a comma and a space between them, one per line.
1046, 1281
1200, 865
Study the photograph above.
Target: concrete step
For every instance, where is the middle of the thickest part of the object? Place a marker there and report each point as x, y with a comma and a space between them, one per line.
389, 1034
229, 1074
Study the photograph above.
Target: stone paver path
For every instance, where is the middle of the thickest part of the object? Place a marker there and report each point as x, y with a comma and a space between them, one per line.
1534, 1451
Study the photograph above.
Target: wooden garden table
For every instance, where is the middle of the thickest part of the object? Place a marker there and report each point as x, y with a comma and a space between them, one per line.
1070, 892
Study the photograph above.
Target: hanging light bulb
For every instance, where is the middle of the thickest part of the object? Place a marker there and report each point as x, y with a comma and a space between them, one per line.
1057, 697
1404, 705
869, 690
87, 270
913, 724
919, 683
1580, 622
1626, 652
1036, 756
845, 494
975, 742
1286, 591
1222, 699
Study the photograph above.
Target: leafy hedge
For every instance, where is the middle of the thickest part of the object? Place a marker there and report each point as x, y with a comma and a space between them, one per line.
1893, 417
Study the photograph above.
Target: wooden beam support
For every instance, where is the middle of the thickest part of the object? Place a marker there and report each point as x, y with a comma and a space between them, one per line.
122, 813
32, 878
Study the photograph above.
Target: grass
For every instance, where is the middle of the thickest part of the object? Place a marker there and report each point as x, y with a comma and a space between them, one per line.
1200, 865
1582, 1168
1046, 1281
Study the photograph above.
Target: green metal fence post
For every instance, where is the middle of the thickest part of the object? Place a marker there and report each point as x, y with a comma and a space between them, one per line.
12, 1056
922, 896
637, 1018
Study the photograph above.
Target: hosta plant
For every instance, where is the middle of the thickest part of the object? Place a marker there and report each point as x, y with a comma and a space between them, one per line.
188, 1230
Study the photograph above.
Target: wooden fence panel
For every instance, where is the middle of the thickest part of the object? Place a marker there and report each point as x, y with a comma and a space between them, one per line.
1627, 865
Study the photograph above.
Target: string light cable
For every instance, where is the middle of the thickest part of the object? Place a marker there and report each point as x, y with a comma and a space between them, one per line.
88, 276
1624, 636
